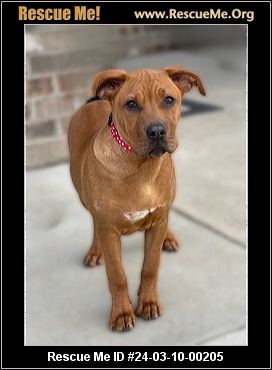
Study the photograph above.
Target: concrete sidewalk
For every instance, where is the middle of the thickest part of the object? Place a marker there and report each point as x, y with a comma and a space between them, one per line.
203, 286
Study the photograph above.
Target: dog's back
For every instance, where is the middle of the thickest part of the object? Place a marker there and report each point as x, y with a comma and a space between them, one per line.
84, 124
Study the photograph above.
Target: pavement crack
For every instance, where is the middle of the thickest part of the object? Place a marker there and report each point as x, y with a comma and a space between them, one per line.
220, 335
209, 227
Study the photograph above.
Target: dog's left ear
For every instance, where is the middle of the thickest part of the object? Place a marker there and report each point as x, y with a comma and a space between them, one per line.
107, 83
185, 80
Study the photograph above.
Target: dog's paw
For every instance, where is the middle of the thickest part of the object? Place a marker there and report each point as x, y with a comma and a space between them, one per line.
170, 243
148, 309
93, 259
124, 321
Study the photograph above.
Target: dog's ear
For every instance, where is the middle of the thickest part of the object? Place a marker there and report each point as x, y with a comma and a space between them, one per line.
107, 83
185, 80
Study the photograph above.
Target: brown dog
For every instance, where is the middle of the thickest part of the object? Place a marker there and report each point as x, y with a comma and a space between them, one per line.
120, 150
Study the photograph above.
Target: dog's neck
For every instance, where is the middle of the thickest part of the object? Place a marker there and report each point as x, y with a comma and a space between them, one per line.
117, 137
118, 161
114, 132
116, 155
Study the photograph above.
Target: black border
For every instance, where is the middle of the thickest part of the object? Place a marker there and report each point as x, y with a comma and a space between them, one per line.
257, 354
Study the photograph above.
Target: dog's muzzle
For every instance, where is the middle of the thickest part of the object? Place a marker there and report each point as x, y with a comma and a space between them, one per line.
156, 134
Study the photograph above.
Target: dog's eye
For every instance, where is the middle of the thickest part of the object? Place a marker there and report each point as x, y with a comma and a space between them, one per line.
169, 100
132, 105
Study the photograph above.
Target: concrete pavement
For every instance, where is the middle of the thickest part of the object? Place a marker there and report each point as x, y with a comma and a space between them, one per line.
202, 287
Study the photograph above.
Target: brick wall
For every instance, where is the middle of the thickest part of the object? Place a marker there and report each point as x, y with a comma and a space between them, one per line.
62, 60
60, 63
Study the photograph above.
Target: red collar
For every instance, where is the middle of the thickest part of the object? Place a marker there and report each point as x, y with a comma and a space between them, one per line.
118, 139
114, 131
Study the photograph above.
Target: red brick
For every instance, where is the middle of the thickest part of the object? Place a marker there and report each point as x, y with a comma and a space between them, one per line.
75, 81
46, 108
44, 129
54, 106
39, 86
46, 151
65, 104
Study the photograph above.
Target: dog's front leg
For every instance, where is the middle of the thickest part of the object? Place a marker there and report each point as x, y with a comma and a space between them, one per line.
122, 317
148, 306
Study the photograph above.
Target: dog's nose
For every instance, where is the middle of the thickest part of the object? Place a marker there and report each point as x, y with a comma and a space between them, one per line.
156, 131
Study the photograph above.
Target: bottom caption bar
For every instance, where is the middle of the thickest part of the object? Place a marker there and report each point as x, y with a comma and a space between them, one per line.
137, 356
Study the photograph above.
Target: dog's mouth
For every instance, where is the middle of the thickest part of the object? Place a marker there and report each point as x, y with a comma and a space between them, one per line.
148, 150
157, 152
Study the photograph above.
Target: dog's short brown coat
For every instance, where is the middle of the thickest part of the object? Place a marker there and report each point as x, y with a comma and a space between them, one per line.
126, 192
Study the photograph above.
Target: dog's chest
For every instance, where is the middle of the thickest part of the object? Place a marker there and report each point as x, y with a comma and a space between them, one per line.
141, 219
134, 216
136, 203
143, 209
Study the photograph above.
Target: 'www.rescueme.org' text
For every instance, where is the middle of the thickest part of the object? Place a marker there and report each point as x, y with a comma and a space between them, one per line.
194, 14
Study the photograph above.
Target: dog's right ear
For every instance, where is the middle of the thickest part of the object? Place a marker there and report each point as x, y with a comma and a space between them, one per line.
107, 83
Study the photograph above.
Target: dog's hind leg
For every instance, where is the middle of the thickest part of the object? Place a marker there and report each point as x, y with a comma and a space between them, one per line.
170, 243
94, 256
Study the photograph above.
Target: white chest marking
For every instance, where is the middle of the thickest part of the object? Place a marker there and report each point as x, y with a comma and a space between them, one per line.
136, 216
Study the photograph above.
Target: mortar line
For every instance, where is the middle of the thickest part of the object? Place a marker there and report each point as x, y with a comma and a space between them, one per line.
209, 227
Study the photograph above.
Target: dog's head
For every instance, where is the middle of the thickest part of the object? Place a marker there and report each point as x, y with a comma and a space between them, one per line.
146, 105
